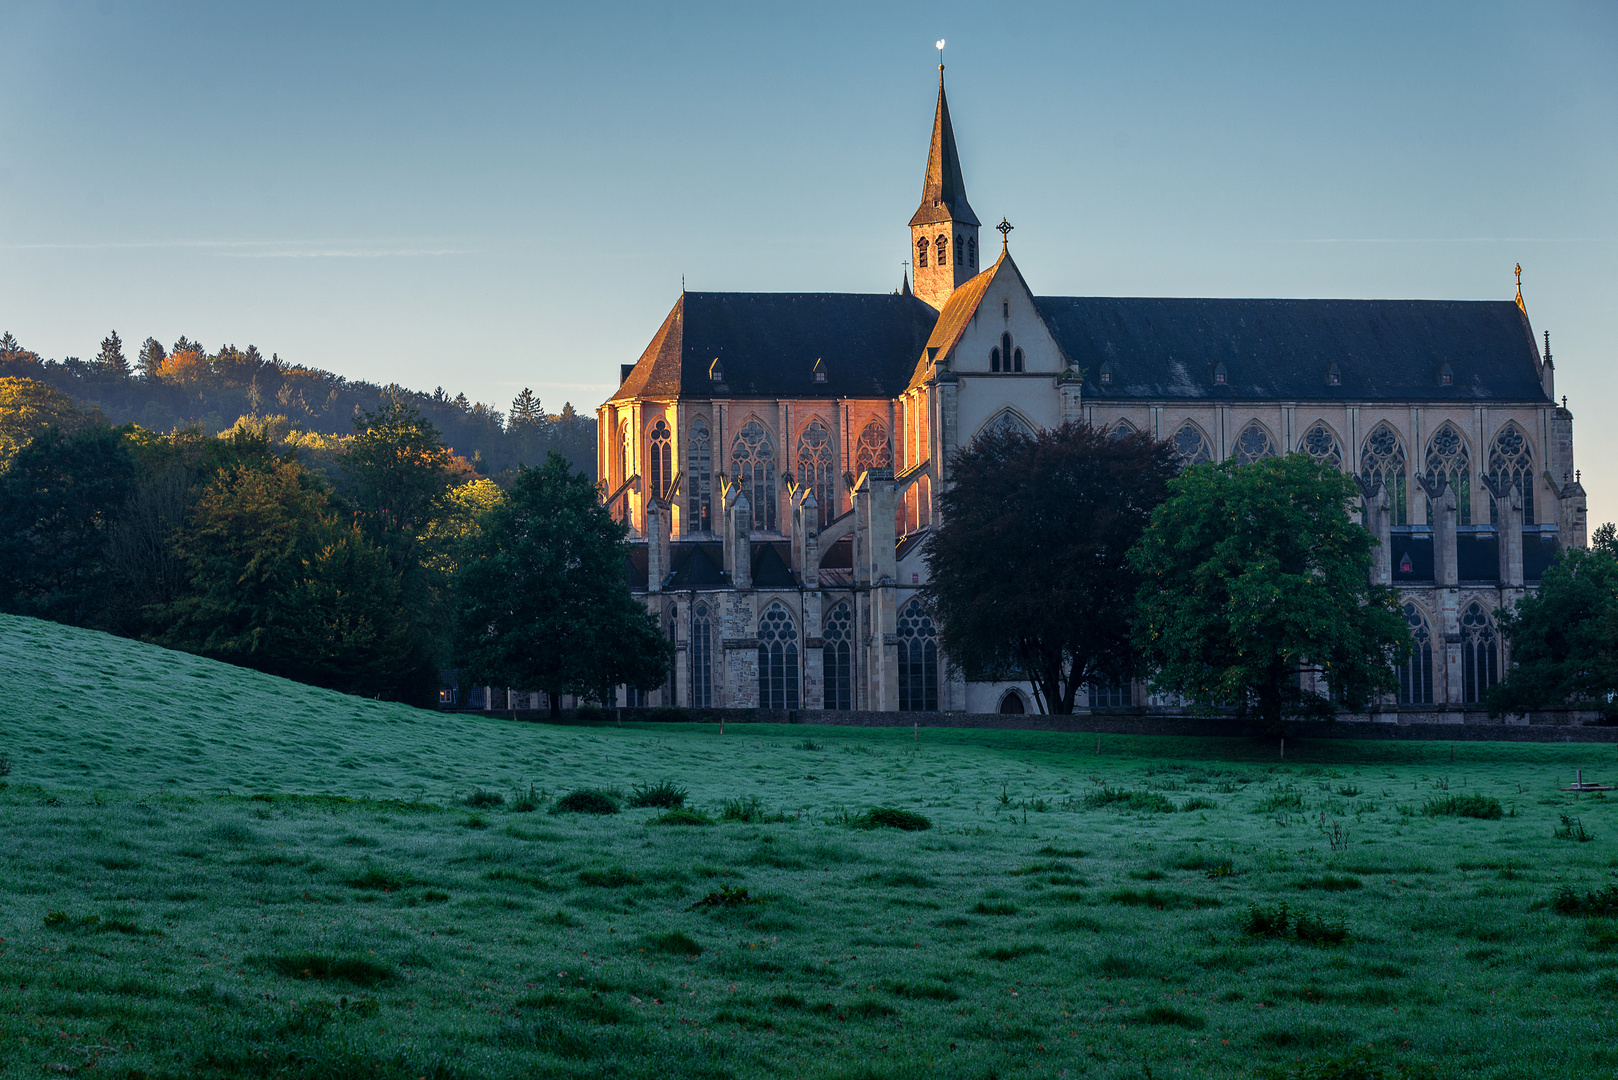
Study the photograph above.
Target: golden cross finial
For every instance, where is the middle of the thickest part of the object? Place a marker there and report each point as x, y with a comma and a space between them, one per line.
1519, 287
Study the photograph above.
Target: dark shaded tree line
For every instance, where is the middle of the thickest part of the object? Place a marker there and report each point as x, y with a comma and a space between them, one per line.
187, 384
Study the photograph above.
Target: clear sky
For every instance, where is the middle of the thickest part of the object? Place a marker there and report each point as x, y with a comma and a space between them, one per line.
488, 197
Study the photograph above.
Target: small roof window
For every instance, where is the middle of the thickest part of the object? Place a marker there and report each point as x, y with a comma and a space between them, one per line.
1446, 376
820, 370
1334, 376
716, 371
1221, 376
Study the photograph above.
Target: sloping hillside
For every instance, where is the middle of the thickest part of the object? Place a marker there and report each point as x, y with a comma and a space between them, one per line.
87, 710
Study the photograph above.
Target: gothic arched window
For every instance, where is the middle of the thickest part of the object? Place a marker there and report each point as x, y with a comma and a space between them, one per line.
1253, 443
814, 465
1320, 444
1192, 445
777, 659
1006, 420
837, 634
1382, 460
699, 479
1011, 703
1480, 654
994, 359
1447, 457
1416, 672
918, 659
1511, 464
660, 458
700, 652
941, 246
1122, 429
753, 457
1016, 359
872, 451
921, 252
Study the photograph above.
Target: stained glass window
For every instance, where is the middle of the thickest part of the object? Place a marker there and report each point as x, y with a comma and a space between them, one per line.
700, 651
837, 635
1511, 463
1480, 654
1252, 444
753, 456
1382, 460
814, 466
699, 482
661, 458
1416, 673
777, 659
872, 451
918, 659
1320, 444
1447, 457
1192, 445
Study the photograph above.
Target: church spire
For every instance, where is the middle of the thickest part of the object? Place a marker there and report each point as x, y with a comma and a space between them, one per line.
943, 188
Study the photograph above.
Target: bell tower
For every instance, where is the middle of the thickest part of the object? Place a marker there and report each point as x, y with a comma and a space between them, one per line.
944, 231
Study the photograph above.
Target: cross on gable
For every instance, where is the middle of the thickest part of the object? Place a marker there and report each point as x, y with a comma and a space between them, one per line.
1005, 228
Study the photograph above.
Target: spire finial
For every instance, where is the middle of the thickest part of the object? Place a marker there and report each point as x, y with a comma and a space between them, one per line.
1519, 288
939, 45
1005, 228
1547, 346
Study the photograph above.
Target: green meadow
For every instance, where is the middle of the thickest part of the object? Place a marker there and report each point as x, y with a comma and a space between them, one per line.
206, 872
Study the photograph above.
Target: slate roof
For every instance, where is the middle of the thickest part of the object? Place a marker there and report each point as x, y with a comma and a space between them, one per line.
1385, 350
767, 345
943, 186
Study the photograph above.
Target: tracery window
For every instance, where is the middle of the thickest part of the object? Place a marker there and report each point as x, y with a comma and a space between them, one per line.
1447, 457
1252, 444
753, 457
1006, 420
941, 245
872, 450
1110, 695
1122, 429
661, 458
837, 636
814, 465
1416, 672
1382, 460
1511, 464
1192, 445
699, 481
700, 652
1320, 444
626, 458
921, 252
777, 659
918, 659
1480, 654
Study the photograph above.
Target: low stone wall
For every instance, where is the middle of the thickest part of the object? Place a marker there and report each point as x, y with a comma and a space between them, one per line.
1564, 725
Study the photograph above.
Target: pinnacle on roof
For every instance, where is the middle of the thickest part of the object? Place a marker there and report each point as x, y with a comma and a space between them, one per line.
943, 189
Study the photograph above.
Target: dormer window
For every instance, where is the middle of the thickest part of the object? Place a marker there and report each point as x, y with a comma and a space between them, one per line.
1221, 377
1106, 374
1446, 376
1334, 376
716, 372
820, 371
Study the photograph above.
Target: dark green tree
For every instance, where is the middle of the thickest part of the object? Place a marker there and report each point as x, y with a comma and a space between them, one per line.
543, 597
1255, 577
59, 502
1029, 574
1564, 636
111, 358
397, 470
525, 409
151, 358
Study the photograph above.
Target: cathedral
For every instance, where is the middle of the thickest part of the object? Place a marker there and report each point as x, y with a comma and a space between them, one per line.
777, 456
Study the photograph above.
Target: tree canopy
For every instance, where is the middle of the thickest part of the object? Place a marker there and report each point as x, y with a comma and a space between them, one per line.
28, 407
543, 596
1564, 636
1029, 575
1255, 578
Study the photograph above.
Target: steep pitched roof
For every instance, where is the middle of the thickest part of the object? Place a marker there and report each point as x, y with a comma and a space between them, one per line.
957, 314
767, 345
943, 187
1384, 350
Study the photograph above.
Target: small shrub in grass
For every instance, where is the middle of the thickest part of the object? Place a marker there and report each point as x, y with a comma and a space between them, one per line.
888, 817
1573, 829
526, 802
480, 799
1197, 802
1222, 869
475, 821
586, 801
1473, 806
1283, 923
727, 896
1602, 901
1118, 798
1162, 1014
665, 794
985, 907
682, 816
350, 969
807, 744
673, 943
1287, 798
749, 810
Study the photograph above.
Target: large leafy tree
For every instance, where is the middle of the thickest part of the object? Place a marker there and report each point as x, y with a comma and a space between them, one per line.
1564, 636
28, 407
397, 470
1029, 576
59, 501
543, 598
1255, 577
280, 582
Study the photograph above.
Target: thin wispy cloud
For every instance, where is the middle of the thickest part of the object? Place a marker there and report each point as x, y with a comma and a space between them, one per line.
255, 249
1451, 240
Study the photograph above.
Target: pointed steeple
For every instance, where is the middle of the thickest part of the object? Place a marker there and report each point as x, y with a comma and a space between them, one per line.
943, 188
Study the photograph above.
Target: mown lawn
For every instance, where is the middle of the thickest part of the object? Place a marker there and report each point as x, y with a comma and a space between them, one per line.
184, 891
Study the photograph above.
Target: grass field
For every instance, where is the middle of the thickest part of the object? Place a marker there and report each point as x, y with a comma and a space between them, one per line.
208, 872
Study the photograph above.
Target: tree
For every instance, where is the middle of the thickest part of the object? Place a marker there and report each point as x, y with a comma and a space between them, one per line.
543, 597
28, 407
1029, 576
1564, 636
59, 501
525, 409
1254, 578
151, 358
111, 358
279, 583
397, 470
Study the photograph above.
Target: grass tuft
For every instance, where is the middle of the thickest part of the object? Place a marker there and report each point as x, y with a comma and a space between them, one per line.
727, 896
586, 801
1473, 806
1149, 801
888, 817
673, 943
665, 794
355, 970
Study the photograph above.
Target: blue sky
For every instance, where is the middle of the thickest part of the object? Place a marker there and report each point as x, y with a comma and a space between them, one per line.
488, 197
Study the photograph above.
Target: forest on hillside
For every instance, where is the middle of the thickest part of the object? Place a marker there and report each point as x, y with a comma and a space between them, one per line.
189, 385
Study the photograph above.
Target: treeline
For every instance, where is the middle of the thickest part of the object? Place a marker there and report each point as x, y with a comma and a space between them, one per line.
186, 384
